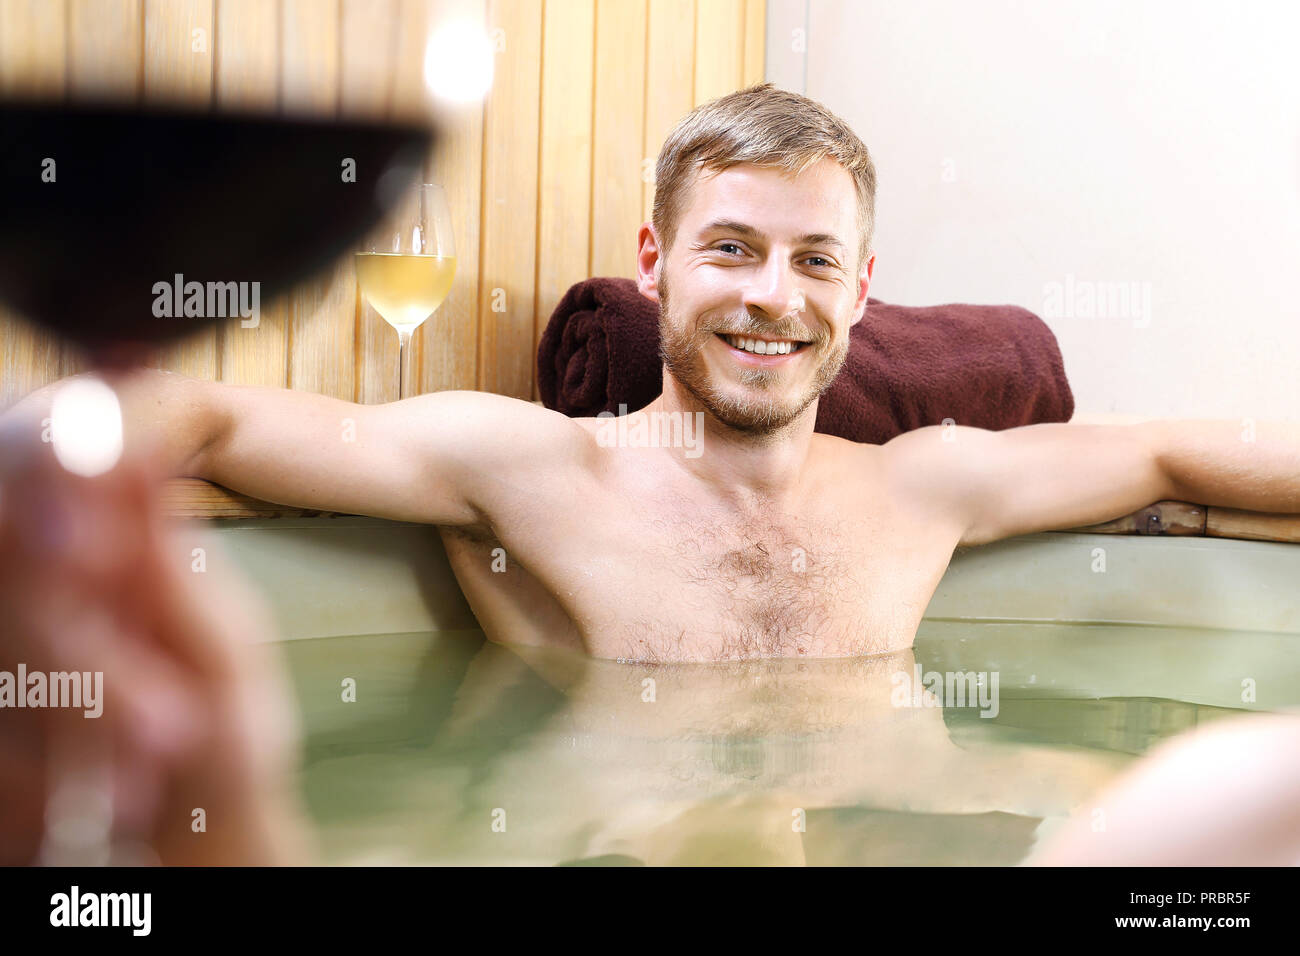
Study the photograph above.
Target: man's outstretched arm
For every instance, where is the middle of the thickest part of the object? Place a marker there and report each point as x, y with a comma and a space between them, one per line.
1250, 465
996, 485
446, 458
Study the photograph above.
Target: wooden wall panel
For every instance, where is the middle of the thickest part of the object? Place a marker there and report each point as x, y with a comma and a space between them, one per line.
247, 63
670, 75
753, 43
564, 169
32, 63
309, 57
247, 78
447, 344
619, 128
548, 179
178, 69
33, 59
322, 311
105, 49
178, 50
370, 48
719, 28
104, 59
508, 250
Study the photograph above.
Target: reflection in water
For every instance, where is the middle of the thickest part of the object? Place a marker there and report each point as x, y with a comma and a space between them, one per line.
459, 750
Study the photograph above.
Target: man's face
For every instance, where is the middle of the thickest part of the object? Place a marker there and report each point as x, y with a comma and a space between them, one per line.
762, 256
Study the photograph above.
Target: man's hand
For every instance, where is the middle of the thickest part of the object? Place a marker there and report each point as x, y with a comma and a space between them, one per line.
196, 723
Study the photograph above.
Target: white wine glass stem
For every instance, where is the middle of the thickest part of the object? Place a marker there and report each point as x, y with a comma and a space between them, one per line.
403, 358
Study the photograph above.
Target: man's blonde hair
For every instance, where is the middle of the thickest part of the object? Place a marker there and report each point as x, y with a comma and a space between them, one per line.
765, 126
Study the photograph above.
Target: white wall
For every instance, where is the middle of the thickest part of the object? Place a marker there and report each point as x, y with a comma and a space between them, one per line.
1026, 150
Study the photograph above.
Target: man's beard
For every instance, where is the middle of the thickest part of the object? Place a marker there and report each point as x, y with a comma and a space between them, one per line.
681, 351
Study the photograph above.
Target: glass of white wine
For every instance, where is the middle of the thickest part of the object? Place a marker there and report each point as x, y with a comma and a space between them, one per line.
405, 269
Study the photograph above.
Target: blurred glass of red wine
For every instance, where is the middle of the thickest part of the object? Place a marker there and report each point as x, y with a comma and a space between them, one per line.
104, 204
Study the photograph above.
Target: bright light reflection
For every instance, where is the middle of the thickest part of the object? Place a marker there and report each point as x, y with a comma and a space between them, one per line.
86, 427
458, 62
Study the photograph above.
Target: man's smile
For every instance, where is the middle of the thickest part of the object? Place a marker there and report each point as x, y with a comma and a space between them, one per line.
761, 351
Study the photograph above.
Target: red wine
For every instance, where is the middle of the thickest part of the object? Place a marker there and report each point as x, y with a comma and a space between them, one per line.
101, 205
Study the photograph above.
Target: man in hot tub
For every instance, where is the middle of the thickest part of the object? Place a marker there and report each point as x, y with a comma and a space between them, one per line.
760, 538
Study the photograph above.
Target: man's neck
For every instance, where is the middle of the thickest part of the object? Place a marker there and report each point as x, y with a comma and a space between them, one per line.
741, 467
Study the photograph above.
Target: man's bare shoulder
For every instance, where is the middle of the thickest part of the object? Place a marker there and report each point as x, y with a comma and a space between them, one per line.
904, 481
502, 415
490, 430
914, 468
855, 467
843, 452
507, 457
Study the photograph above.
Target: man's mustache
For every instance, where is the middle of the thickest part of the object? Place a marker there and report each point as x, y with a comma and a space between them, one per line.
794, 330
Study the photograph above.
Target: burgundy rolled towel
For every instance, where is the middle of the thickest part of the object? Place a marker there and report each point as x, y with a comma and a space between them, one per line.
600, 349
989, 366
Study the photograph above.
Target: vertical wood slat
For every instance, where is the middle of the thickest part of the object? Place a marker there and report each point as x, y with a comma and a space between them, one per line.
104, 60
30, 66
408, 102
29, 356
247, 78
247, 65
509, 203
753, 43
616, 195
564, 171
370, 51
670, 75
719, 25
309, 57
322, 311
177, 63
105, 53
176, 72
446, 355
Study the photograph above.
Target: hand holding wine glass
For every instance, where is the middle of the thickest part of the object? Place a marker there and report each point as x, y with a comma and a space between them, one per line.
195, 715
192, 718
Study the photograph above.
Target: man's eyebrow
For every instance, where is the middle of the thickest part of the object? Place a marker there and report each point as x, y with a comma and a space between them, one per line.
749, 232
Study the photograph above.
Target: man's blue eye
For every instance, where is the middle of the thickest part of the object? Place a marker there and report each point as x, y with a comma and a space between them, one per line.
722, 246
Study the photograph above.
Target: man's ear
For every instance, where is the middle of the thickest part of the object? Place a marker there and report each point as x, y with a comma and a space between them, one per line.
864, 284
648, 262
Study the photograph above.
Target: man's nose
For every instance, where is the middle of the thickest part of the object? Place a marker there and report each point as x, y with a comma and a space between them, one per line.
774, 289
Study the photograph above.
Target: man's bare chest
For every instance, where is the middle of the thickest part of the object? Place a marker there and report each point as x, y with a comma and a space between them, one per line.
648, 583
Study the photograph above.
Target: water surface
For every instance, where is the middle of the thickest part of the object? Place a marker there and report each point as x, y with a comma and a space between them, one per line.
457, 750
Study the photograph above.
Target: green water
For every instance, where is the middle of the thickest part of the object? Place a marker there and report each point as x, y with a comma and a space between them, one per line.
457, 750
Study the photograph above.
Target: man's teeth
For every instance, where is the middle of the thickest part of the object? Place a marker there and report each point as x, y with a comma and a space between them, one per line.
760, 347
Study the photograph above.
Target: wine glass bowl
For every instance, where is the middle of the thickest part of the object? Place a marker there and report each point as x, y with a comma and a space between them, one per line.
107, 206
406, 266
